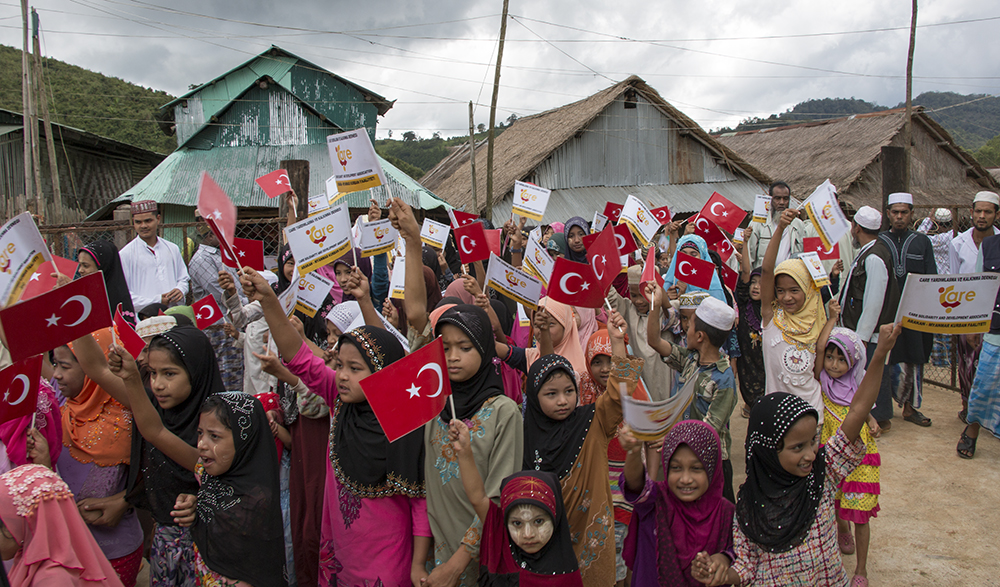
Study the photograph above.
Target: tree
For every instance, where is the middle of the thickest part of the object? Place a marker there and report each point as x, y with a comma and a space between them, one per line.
436, 135
989, 154
481, 127
409, 136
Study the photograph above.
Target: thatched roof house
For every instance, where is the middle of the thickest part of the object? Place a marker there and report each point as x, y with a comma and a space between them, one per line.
847, 151
625, 139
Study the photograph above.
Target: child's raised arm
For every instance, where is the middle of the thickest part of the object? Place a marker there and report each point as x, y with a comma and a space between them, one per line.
745, 268
285, 338
824, 337
653, 338
767, 269
635, 476
415, 300
867, 392
472, 481
358, 286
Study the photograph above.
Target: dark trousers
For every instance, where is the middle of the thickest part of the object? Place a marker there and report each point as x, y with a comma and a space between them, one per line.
883, 405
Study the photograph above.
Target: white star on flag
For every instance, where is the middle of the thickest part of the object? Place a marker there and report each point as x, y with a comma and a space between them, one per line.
585, 286
694, 271
413, 390
217, 215
241, 253
35, 276
52, 320
279, 182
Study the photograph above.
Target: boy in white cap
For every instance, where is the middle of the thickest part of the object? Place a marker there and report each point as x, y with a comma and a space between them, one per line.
962, 257
911, 252
703, 371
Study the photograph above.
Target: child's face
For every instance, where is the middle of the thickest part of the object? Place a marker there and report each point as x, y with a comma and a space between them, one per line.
788, 293
215, 444
834, 362
462, 357
575, 239
557, 396
332, 334
68, 373
169, 381
755, 288
694, 338
289, 269
530, 527
663, 261
800, 446
351, 369
687, 318
343, 273
686, 476
86, 264
556, 332
600, 368
640, 303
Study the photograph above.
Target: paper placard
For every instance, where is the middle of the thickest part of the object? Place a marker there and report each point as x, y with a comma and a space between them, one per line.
331, 190
652, 420
640, 220
313, 289
287, 300
321, 239
513, 283
397, 283
522, 316
317, 204
598, 223
355, 165
948, 304
536, 233
377, 237
22, 251
434, 234
824, 211
530, 200
761, 208
537, 261
815, 267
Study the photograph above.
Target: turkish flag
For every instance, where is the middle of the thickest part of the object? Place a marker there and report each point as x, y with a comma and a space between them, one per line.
707, 230
249, 252
662, 214
575, 284
650, 273
125, 335
694, 271
613, 212
729, 277
19, 383
64, 314
471, 242
493, 240
459, 218
602, 252
624, 239
206, 312
275, 183
724, 247
41, 280
411, 393
216, 207
814, 243
723, 213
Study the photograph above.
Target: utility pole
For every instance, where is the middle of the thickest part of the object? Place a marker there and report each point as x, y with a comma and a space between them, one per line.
43, 101
488, 214
908, 124
29, 191
472, 158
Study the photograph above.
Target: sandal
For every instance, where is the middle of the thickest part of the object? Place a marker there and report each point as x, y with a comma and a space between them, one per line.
963, 415
746, 412
859, 581
846, 542
967, 446
918, 419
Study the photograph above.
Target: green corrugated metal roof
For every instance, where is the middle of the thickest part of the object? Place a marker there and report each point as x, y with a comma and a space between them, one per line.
175, 181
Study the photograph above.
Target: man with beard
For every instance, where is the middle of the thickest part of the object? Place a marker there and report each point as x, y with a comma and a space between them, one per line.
962, 259
912, 252
791, 240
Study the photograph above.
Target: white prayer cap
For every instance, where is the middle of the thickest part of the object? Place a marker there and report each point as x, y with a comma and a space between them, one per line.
942, 215
716, 313
868, 217
900, 198
342, 315
154, 325
990, 197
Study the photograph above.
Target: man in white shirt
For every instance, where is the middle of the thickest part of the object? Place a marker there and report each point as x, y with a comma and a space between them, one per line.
791, 240
962, 254
153, 267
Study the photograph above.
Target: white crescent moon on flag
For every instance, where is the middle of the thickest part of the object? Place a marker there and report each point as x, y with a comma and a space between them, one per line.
211, 311
661, 214
680, 267
698, 223
284, 176
83, 301
620, 240
593, 263
24, 392
461, 243
437, 369
562, 283
712, 208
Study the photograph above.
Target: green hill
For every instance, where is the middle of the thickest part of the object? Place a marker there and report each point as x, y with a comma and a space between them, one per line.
91, 101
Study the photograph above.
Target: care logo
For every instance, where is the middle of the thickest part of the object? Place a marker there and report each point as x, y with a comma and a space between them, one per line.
380, 233
431, 229
343, 155
951, 299
318, 234
526, 196
827, 213
5, 255
641, 215
514, 280
539, 258
306, 285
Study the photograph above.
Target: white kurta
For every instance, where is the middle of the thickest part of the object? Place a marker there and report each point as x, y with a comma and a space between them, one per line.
963, 251
152, 272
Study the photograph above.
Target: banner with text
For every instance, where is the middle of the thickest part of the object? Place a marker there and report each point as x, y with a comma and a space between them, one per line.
948, 304
640, 220
826, 215
537, 261
313, 289
355, 164
377, 237
22, 251
321, 239
513, 283
530, 200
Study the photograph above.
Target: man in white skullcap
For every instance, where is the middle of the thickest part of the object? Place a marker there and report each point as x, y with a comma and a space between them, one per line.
911, 252
962, 258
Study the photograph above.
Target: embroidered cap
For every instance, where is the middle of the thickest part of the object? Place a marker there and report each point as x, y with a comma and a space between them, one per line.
143, 206
868, 217
154, 325
716, 313
900, 198
942, 215
690, 301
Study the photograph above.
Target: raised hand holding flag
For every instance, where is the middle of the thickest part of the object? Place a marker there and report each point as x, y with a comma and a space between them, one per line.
472, 243
275, 183
723, 213
575, 284
20, 385
650, 273
694, 271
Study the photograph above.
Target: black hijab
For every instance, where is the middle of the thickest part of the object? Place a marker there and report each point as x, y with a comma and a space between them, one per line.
470, 394
105, 256
365, 462
503, 315
238, 530
363, 263
553, 445
775, 508
572, 223
151, 310
314, 326
164, 479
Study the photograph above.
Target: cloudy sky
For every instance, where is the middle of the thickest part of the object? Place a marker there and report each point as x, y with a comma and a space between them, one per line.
719, 60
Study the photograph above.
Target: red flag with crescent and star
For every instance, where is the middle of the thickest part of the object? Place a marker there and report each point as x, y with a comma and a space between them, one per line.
249, 252
724, 247
125, 334
275, 183
459, 218
493, 238
814, 243
206, 312
613, 212
471, 242
216, 208
410, 394
729, 276
707, 230
723, 213
662, 214
694, 271
650, 273
20, 385
575, 284
602, 252
624, 239
41, 279
50, 320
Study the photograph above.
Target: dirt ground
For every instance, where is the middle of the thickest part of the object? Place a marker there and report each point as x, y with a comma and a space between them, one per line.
940, 514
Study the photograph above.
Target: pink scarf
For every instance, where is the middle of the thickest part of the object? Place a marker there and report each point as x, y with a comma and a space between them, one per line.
842, 389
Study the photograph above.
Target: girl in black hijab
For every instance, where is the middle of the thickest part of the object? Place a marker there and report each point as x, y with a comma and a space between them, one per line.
315, 326
103, 256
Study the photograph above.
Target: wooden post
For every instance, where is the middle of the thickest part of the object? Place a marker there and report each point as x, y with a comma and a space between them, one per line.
908, 124
298, 176
488, 213
50, 144
893, 176
472, 158
29, 186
